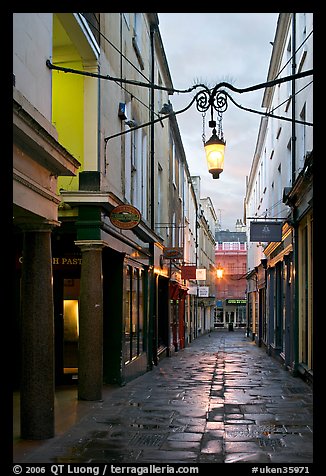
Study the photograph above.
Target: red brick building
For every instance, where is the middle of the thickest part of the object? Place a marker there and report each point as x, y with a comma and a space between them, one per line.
231, 256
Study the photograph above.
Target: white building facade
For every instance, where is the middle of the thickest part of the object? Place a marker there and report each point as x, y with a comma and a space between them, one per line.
279, 190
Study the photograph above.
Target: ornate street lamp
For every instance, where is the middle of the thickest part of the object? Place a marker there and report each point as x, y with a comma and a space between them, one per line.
215, 146
205, 99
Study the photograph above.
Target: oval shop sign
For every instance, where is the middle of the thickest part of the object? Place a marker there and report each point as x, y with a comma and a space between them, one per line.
125, 217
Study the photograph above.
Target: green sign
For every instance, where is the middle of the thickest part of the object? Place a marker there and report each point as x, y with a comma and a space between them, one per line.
236, 301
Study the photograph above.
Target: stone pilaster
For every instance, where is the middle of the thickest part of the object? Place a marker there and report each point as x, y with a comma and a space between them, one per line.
90, 361
37, 332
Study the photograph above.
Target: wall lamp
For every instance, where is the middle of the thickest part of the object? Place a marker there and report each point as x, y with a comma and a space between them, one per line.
215, 146
219, 272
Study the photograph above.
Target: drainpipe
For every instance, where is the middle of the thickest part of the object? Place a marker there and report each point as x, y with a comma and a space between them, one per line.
293, 100
152, 334
195, 330
99, 143
152, 152
295, 225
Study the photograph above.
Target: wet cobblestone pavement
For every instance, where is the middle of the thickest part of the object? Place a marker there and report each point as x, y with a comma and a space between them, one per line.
222, 399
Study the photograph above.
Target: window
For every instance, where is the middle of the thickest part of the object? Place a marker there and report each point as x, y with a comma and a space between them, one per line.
136, 169
174, 230
303, 32
302, 140
278, 132
159, 93
159, 197
181, 181
289, 161
173, 164
288, 72
134, 313
137, 38
144, 177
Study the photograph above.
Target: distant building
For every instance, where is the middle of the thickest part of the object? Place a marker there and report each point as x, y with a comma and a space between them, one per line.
231, 257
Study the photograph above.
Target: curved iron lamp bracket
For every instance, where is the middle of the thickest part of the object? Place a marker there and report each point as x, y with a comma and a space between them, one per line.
213, 99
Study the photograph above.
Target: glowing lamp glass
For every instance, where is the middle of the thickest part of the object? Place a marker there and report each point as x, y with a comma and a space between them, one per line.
219, 273
214, 149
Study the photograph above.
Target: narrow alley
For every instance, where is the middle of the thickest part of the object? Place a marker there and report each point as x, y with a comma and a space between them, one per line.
222, 399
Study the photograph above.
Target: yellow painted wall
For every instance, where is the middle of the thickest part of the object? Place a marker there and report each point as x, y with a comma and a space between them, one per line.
68, 117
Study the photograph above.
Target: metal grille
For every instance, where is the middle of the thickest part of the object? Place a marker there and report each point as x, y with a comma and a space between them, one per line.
141, 439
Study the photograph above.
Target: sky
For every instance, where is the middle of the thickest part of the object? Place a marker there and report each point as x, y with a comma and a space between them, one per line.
209, 48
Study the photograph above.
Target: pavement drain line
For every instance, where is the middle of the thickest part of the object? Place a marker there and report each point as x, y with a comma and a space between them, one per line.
141, 439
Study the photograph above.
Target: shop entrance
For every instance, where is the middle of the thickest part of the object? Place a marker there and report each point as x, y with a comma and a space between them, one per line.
66, 318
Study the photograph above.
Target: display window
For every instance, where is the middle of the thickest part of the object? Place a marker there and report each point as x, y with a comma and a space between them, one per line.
134, 314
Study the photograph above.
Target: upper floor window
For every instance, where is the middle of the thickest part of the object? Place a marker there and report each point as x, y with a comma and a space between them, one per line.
159, 93
174, 164
288, 73
137, 38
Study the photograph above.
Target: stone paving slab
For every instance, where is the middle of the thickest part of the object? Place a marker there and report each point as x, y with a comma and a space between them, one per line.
222, 399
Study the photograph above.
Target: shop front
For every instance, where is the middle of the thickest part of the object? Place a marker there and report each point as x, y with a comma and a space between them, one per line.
110, 303
125, 324
178, 294
279, 297
235, 312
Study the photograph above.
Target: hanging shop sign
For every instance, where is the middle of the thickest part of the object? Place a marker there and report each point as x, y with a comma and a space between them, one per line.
266, 231
192, 290
201, 274
173, 253
125, 217
188, 272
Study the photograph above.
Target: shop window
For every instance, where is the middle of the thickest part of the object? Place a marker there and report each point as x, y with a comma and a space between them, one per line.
71, 325
134, 314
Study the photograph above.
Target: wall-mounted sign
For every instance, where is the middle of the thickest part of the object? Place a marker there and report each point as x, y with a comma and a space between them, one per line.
203, 291
125, 217
266, 231
173, 253
240, 302
59, 261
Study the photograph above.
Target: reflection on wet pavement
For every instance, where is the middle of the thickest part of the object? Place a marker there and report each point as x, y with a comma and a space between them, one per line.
222, 399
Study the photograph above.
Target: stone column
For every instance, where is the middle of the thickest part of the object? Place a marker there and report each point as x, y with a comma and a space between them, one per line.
37, 332
90, 362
